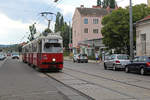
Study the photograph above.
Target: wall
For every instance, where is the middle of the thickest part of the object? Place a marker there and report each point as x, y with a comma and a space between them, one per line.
143, 28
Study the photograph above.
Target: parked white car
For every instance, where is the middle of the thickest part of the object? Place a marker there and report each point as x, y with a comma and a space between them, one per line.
116, 61
80, 58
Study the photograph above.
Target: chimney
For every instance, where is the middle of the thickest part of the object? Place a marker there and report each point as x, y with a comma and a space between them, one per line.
96, 6
116, 7
82, 6
108, 9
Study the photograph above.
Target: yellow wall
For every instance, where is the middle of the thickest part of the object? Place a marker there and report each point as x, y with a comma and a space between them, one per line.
148, 2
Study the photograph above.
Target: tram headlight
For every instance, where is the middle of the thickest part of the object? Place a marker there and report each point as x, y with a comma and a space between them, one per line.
53, 59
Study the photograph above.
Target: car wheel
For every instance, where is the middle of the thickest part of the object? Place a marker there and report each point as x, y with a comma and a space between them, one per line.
127, 70
142, 71
78, 61
105, 67
73, 60
114, 68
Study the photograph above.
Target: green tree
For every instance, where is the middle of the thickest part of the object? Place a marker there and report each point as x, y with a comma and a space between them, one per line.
64, 28
110, 3
116, 27
57, 24
99, 2
32, 30
46, 31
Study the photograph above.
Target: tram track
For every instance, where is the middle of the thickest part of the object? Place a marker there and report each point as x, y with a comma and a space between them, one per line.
110, 79
86, 96
101, 86
123, 93
92, 83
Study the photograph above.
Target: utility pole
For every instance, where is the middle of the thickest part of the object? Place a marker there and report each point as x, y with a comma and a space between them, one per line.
49, 21
131, 32
70, 44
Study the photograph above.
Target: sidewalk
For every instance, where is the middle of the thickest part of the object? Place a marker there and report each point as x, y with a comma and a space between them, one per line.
67, 58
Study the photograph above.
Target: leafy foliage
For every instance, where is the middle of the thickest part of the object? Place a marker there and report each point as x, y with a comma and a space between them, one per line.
110, 3
116, 27
99, 3
64, 28
32, 29
46, 31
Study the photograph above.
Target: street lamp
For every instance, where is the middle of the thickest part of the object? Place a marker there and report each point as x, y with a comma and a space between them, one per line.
131, 31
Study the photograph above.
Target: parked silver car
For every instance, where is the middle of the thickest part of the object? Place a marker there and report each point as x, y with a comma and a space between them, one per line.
2, 57
80, 58
116, 61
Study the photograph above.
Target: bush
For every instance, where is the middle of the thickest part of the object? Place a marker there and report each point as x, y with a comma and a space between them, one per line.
91, 58
66, 53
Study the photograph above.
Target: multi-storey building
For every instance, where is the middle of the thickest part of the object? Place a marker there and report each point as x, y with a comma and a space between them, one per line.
86, 24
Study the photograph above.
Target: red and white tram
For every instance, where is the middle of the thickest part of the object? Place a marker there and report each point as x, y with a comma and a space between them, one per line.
45, 52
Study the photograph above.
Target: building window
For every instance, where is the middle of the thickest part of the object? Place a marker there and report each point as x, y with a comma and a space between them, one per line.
95, 30
95, 21
85, 21
143, 43
143, 37
85, 30
74, 33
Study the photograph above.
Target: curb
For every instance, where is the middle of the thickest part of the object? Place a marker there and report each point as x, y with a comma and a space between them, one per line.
90, 61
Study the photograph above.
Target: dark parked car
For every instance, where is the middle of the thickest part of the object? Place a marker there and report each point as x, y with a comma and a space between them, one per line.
80, 58
139, 64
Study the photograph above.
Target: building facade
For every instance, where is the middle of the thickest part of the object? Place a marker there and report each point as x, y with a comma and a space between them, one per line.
148, 2
143, 37
86, 24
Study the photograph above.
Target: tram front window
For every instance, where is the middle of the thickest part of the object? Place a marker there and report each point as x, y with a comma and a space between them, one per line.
52, 47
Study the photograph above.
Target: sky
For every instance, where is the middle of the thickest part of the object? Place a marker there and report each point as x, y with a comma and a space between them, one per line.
17, 15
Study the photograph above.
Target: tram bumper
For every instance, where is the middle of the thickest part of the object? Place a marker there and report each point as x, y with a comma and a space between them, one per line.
52, 65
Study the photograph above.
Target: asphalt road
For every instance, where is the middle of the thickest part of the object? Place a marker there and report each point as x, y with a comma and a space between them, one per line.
92, 80
18, 81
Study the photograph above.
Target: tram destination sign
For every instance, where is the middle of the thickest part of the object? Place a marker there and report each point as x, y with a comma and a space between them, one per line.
52, 40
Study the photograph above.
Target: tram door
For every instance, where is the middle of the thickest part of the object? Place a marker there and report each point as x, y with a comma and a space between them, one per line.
39, 55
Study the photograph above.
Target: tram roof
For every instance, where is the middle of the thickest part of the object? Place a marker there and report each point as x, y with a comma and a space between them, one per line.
50, 36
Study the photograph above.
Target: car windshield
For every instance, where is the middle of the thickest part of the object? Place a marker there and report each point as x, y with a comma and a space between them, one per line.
123, 57
52, 47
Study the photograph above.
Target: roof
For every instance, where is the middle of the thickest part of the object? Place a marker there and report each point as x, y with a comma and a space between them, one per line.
144, 19
92, 11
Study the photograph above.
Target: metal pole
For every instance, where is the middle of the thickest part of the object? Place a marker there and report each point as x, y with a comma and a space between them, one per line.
49, 24
70, 37
131, 31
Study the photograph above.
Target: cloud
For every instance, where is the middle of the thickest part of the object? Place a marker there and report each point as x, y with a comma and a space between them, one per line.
124, 3
68, 7
12, 31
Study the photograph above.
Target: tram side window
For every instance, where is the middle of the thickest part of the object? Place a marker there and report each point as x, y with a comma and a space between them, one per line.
35, 48
39, 46
52, 47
